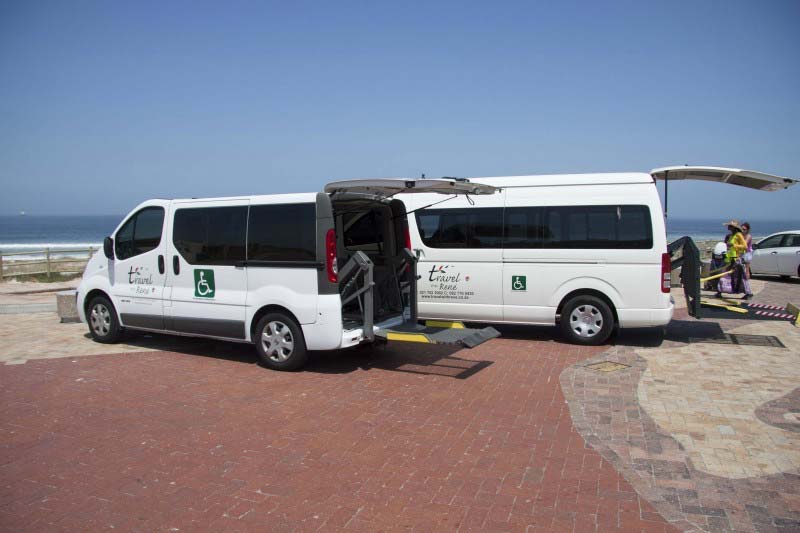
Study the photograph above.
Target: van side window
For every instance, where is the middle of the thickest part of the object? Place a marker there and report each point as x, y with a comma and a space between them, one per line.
140, 234
282, 232
461, 228
588, 227
210, 235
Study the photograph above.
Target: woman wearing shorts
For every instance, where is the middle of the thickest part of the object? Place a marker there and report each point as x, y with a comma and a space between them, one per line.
748, 255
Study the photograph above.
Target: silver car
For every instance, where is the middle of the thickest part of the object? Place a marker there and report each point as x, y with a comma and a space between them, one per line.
778, 254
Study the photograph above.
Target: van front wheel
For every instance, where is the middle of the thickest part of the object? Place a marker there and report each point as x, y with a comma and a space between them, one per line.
279, 342
587, 320
103, 322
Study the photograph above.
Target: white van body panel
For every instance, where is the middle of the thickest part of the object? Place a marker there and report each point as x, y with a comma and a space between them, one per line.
482, 291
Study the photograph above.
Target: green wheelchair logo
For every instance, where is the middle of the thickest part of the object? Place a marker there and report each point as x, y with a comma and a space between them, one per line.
204, 283
518, 283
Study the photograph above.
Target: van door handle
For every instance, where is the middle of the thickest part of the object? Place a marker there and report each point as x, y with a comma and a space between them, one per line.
773, 253
161, 264
176, 265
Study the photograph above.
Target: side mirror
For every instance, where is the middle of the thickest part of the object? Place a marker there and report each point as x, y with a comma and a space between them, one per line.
108, 247
755, 246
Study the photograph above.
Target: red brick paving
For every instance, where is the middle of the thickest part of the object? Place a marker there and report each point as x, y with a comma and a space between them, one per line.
407, 436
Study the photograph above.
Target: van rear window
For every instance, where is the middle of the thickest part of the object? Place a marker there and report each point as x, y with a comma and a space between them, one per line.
588, 227
282, 232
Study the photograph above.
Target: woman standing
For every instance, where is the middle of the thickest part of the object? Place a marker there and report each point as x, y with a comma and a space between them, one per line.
737, 247
748, 255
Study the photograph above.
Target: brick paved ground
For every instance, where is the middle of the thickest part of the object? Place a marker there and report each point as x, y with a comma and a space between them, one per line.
401, 437
708, 433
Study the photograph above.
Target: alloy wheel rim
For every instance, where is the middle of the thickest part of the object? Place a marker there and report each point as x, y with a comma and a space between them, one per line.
101, 320
277, 341
586, 321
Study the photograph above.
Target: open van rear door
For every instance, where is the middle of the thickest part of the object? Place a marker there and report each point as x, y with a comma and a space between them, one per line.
432, 332
386, 187
733, 176
684, 252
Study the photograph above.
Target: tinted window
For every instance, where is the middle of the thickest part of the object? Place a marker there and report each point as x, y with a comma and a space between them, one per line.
461, 228
285, 232
592, 227
792, 240
140, 234
771, 242
211, 235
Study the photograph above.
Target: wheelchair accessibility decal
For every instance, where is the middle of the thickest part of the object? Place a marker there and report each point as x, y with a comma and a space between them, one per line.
204, 283
518, 283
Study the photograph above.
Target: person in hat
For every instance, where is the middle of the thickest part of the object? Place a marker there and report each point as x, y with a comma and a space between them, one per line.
737, 246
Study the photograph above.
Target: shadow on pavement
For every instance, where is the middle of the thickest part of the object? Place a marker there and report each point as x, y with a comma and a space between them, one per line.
778, 279
411, 358
230, 351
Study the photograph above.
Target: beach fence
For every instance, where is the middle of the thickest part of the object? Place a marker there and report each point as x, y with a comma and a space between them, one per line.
45, 261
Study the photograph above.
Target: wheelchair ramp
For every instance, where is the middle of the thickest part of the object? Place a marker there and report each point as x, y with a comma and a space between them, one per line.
727, 308
438, 332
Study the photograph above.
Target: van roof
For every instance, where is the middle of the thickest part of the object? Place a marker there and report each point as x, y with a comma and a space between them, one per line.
257, 198
615, 178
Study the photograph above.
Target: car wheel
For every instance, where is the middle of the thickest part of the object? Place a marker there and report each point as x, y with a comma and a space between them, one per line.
279, 342
103, 322
587, 320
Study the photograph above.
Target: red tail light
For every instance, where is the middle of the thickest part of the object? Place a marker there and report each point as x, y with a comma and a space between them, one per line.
666, 272
407, 235
330, 256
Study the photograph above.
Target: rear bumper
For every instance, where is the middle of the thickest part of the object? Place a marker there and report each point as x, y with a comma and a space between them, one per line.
642, 318
352, 337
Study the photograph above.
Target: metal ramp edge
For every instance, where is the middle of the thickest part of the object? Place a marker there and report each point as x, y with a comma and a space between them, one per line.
438, 332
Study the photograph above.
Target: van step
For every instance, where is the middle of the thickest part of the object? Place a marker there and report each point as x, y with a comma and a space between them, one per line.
438, 332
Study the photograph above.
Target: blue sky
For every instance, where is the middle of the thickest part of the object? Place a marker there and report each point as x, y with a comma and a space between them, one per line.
104, 104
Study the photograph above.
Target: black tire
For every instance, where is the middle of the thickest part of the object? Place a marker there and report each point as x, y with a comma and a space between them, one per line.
103, 321
279, 342
587, 320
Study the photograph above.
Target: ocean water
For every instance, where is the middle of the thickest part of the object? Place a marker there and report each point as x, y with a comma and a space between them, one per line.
59, 233
31, 233
713, 229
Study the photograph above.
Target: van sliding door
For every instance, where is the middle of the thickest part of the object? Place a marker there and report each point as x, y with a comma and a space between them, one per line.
205, 268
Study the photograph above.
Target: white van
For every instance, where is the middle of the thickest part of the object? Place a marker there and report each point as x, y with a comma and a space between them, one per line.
587, 251
289, 273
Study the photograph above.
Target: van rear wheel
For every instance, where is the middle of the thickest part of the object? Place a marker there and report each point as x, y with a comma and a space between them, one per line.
279, 342
587, 320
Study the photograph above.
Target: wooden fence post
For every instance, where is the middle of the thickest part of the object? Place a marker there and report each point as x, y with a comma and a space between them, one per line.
47, 255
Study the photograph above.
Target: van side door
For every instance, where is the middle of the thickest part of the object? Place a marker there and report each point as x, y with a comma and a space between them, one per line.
138, 273
207, 278
459, 246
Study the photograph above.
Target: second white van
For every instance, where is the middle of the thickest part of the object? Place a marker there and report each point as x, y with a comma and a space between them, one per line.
585, 251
